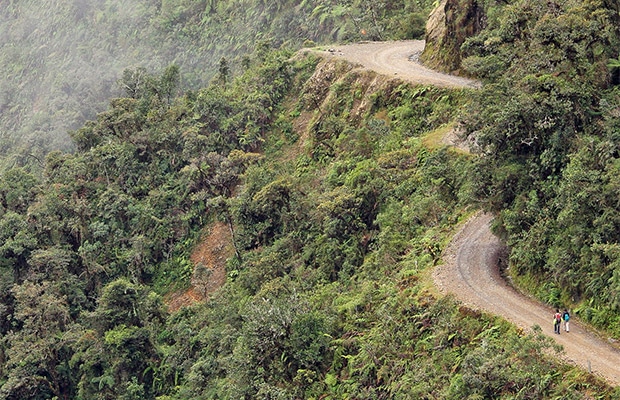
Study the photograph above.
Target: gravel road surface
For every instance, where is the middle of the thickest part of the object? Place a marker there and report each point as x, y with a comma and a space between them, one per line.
470, 271
397, 58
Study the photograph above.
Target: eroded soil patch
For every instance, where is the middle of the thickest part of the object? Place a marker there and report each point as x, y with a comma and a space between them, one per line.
209, 260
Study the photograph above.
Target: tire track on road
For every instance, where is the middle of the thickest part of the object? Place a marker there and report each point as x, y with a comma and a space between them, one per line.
397, 58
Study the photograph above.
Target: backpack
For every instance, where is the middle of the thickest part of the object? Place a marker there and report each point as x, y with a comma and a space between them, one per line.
566, 316
558, 317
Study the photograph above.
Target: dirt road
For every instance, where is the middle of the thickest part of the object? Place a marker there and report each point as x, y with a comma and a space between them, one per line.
397, 58
470, 269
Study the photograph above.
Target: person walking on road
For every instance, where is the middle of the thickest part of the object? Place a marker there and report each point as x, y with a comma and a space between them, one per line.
557, 320
565, 318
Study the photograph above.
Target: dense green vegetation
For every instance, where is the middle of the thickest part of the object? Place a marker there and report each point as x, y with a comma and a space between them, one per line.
60, 64
548, 133
326, 297
338, 209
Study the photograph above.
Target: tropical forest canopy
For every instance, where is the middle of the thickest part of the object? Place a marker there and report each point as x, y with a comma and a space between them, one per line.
61, 62
338, 201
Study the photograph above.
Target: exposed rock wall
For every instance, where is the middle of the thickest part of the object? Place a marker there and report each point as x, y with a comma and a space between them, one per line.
450, 23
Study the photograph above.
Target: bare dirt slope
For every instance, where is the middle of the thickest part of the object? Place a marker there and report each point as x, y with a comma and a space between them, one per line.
397, 58
471, 273
471, 269
209, 270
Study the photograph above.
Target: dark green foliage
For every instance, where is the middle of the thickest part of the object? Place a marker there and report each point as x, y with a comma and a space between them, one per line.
61, 63
325, 301
334, 228
546, 129
124, 207
17, 190
36, 353
118, 357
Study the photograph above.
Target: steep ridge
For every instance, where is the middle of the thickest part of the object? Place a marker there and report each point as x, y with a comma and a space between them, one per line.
470, 270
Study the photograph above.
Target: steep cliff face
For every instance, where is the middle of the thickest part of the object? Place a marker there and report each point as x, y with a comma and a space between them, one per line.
450, 23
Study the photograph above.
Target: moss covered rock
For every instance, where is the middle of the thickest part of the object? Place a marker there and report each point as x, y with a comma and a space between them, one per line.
449, 24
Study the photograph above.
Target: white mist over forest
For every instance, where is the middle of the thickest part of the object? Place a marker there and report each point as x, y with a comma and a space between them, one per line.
61, 61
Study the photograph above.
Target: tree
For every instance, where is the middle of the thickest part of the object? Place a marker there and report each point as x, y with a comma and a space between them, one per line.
223, 72
169, 83
37, 354
119, 356
17, 241
17, 190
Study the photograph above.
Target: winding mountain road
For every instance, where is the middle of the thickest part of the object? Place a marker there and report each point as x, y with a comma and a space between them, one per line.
470, 270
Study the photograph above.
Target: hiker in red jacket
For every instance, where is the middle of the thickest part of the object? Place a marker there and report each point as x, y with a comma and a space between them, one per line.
557, 320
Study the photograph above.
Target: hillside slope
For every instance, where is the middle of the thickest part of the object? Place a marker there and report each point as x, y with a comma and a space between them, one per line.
325, 297
61, 64
471, 270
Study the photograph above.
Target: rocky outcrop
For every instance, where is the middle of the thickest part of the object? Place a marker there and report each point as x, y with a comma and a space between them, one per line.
450, 23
